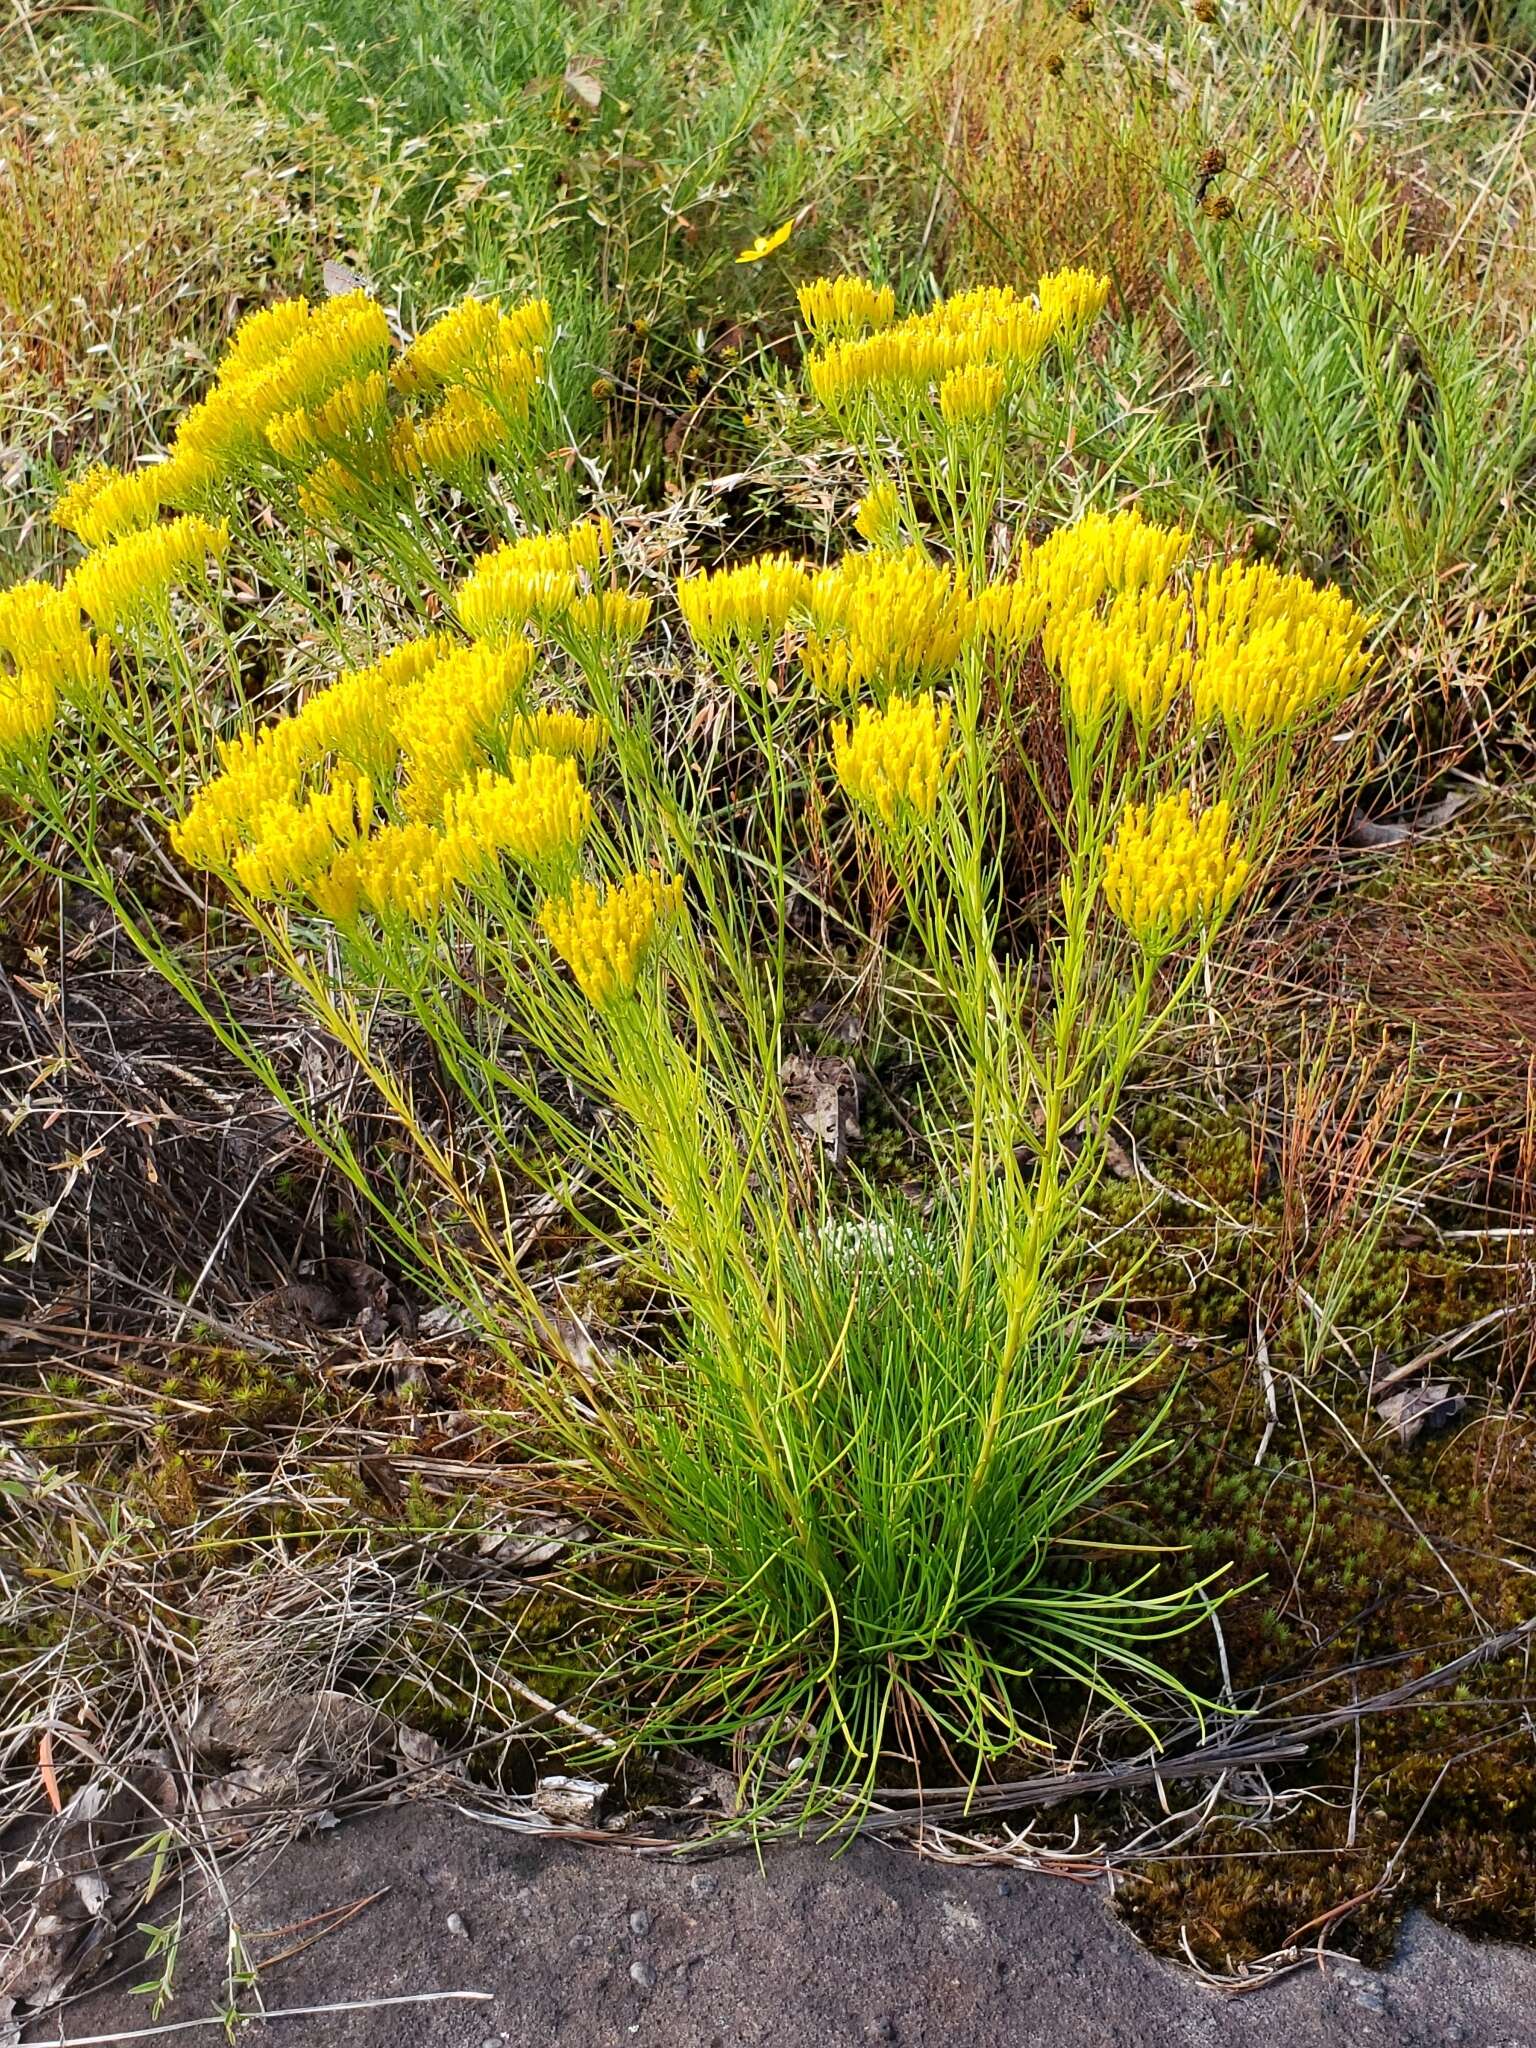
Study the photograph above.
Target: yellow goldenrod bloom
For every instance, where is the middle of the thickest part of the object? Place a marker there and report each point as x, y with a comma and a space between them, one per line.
334, 495
1272, 648
1072, 300
748, 605
845, 305
462, 434
448, 724
291, 842
531, 579
104, 503
33, 615
556, 729
604, 934
1137, 654
610, 619
261, 337
125, 581
28, 708
537, 813
885, 621
41, 631
894, 761
353, 415
973, 393
1166, 868
766, 244
1102, 552
463, 343
399, 871
1009, 614
877, 517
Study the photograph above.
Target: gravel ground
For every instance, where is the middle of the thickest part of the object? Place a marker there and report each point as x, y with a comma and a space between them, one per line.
593, 1948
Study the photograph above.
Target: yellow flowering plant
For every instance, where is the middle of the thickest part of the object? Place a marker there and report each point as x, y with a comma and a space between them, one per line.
852, 1464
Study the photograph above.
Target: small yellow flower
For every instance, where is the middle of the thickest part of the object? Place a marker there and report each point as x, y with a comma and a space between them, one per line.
1072, 300
533, 579
28, 708
608, 619
128, 579
766, 244
894, 761
877, 517
748, 605
845, 305
104, 504
1166, 869
885, 621
605, 934
535, 814
974, 393
291, 842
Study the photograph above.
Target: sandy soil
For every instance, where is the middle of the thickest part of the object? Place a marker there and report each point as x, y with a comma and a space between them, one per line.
584, 1947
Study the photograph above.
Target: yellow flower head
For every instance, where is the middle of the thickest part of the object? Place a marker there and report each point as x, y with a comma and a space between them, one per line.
400, 871
470, 339
877, 517
604, 935
610, 620
40, 631
893, 762
28, 708
974, 393
532, 579
291, 842
536, 814
885, 621
1136, 654
460, 436
1102, 552
261, 338
1166, 869
104, 504
125, 581
1272, 648
747, 606
1072, 300
766, 244
450, 722
832, 306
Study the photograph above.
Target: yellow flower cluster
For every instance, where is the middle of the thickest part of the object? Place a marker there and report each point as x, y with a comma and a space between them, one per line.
973, 393
747, 606
533, 579
1101, 552
991, 326
129, 579
292, 842
457, 718
538, 812
1166, 869
877, 517
1243, 643
604, 934
895, 760
845, 305
1273, 647
41, 632
106, 503
1072, 300
310, 386
1136, 654
471, 341
885, 621
283, 358
607, 620
28, 707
